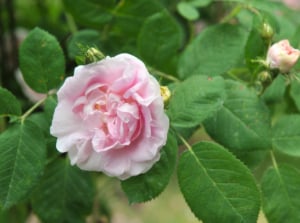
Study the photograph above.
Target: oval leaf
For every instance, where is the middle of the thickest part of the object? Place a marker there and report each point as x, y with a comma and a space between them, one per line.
196, 99
149, 185
243, 122
22, 160
216, 50
42, 61
217, 186
281, 194
286, 135
9, 103
188, 11
65, 194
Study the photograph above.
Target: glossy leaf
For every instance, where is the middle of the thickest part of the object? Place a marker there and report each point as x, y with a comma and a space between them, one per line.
42, 61
196, 99
281, 194
214, 51
243, 122
150, 184
65, 194
286, 135
9, 103
217, 186
22, 160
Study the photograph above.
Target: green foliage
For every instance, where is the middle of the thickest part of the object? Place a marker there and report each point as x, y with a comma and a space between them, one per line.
243, 122
188, 11
16, 214
217, 186
286, 135
196, 99
159, 39
281, 200
41, 73
22, 160
214, 51
90, 12
149, 185
295, 92
276, 90
82, 40
65, 194
9, 103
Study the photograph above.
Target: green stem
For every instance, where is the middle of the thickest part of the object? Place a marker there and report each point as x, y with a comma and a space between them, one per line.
30, 110
273, 160
71, 23
253, 10
2, 124
187, 145
163, 75
232, 14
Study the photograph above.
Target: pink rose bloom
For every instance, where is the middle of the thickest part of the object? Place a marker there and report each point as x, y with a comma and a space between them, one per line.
282, 56
110, 117
293, 4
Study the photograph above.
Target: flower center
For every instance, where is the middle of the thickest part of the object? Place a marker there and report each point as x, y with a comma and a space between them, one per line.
114, 121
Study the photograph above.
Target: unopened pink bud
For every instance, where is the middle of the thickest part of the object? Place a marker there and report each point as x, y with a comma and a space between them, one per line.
293, 4
282, 56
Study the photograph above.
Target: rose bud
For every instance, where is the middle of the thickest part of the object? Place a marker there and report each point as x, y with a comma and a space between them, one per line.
293, 4
282, 56
110, 117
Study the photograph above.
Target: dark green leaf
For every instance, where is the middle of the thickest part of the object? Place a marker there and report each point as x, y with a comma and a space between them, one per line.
159, 39
89, 12
131, 15
286, 135
216, 50
196, 99
22, 160
149, 185
65, 194
243, 122
217, 186
9, 104
42, 61
281, 194
255, 39
15, 214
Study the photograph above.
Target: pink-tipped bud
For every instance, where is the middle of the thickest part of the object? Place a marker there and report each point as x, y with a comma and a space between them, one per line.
293, 4
282, 56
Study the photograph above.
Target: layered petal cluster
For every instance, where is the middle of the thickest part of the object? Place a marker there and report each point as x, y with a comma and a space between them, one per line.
110, 117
